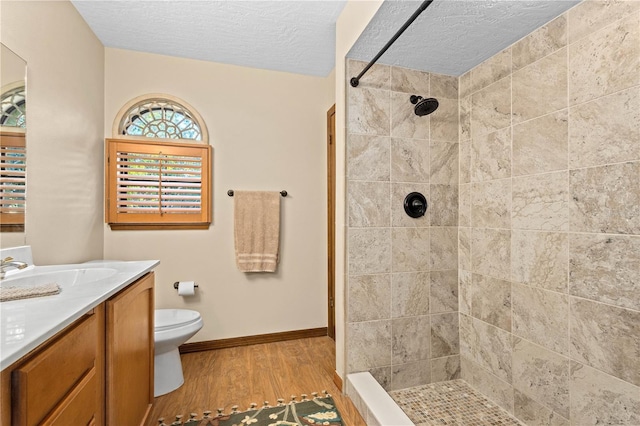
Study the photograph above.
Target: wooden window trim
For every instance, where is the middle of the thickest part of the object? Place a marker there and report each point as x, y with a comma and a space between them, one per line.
13, 221
157, 220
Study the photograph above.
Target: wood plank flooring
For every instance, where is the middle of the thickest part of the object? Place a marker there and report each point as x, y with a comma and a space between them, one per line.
246, 374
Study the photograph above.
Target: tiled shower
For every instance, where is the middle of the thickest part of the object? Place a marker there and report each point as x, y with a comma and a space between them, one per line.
523, 279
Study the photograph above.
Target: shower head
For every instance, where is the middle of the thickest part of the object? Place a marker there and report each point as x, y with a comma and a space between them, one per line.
423, 106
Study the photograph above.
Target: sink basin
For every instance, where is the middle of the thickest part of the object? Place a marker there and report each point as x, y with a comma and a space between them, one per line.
62, 277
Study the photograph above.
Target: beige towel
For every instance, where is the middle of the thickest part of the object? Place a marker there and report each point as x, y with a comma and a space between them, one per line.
8, 292
257, 230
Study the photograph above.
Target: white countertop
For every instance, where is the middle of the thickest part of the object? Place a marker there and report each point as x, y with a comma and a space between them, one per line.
25, 324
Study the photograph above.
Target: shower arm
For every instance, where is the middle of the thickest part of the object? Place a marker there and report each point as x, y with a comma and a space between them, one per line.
356, 80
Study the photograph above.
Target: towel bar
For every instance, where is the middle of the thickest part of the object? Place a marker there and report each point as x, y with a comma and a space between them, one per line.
283, 193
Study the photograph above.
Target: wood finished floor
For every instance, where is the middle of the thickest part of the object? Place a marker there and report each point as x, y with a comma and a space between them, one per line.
246, 374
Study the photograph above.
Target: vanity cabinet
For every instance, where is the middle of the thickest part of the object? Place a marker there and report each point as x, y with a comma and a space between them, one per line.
97, 371
130, 353
61, 382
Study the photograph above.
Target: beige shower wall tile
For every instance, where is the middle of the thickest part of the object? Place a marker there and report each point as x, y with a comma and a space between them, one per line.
377, 77
597, 398
464, 205
532, 413
542, 375
491, 252
491, 70
369, 345
445, 369
465, 118
444, 163
465, 161
540, 259
541, 145
542, 317
443, 205
369, 250
445, 340
410, 337
590, 16
540, 88
606, 199
410, 81
606, 61
496, 389
399, 217
410, 374
409, 160
368, 204
368, 157
404, 122
606, 130
491, 204
410, 294
491, 301
464, 249
444, 86
607, 338
605, 268
540, 43
369, 297
443, 291
445, 121
491, 108
444, 248
488, 346
541, 202
368, 111
465, 288
464, 85
410, 249
491, 155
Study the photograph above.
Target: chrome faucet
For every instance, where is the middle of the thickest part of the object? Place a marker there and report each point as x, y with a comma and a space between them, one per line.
8, 262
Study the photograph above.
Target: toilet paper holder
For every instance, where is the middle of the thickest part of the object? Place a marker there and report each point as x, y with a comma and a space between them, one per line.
175, 285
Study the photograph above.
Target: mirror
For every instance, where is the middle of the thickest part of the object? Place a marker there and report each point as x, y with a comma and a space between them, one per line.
13, 154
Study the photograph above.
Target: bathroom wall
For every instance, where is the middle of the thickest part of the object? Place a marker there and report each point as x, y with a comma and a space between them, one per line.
401, 290
268, 132
65, 96
549, 215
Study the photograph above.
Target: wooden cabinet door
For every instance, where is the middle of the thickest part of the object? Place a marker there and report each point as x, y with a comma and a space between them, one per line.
130, 352
63, 380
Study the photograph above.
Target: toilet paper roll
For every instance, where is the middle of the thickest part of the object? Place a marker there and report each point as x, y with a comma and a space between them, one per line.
186, 288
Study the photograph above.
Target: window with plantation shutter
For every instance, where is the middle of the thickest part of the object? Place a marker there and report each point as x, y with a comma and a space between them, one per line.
158, 185
13, 160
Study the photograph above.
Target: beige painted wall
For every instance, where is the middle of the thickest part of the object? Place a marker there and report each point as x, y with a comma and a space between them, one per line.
268, 132
354, 18
65, 96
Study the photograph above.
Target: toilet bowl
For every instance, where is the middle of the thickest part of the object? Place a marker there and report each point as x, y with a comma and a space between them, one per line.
173, 327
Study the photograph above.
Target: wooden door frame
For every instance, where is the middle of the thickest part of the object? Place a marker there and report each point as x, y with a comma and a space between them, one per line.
331, 220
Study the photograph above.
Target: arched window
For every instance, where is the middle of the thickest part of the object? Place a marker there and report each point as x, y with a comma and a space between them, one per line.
160, 118
158, 166
13, 104
13, 157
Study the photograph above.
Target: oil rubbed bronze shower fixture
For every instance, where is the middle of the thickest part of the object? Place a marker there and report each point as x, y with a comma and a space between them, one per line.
423, 106
415, 205
356, 80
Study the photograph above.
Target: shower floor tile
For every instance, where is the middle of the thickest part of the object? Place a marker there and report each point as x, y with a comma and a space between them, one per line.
450, 403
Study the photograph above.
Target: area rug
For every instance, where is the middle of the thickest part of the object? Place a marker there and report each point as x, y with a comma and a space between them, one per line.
315, 411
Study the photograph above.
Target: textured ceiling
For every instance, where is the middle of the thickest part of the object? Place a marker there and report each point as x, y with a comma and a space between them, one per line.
450, 37
293, 36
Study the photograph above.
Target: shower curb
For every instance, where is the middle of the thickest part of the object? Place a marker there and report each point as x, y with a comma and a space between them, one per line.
375, 405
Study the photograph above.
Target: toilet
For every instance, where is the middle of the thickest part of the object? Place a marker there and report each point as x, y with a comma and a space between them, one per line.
173, 327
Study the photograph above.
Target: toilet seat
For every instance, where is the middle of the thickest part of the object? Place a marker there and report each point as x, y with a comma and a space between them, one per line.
166, 319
